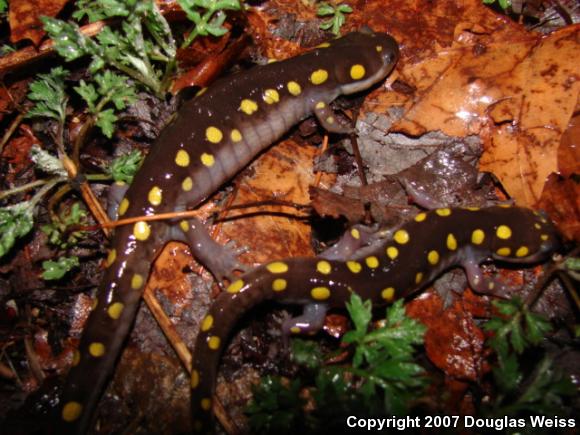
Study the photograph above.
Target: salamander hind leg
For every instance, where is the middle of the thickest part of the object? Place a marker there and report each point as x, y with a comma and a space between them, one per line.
220, 260
310, 322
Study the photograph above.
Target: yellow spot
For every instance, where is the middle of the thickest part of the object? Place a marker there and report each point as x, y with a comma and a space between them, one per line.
477, 237
187, 184
354, 266
323, 45
207, 323
115, 310
213, 342
295, 330
433, 257
97, 349
213, 134
418, 278
472, 208
182, 158
357, 72
401, 237
505, 205
155, 196
491, 285
392, 252
76, 358
279, 285
320, 293
95, 303
201, 92
536, 225
504, 252
522, 251
141, 230
235, 286
379, 48
205, 404
111, 257
136, 281
194, 379
451, 242
324, 267
71, 411
184, 225
443, 211
330, 120
372, 262
319, 76
294, 88
320, 105
504, 232
388, 294
420, 217
272, 60
236, 135
248, 106
207, 159
123, 206
544, 237
271, 96
277, 267
355, 233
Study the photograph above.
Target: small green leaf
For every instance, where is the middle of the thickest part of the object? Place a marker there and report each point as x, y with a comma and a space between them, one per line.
124, 168
15, 221
46, 162
306, 353
87, 93
324, 9
106, 122
49, 94
57, 269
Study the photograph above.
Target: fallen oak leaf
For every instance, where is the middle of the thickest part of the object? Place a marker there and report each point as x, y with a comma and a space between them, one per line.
24, 17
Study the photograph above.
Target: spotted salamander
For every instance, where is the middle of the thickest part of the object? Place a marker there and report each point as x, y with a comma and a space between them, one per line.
392, 266
213, 137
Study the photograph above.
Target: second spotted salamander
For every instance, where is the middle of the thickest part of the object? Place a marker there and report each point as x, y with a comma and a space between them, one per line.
212, 138
390, 267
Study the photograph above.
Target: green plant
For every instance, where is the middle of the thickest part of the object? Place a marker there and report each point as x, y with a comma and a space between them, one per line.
382, 379
54, 270
543, 390
208, 17
337, 20
504, 4
124, 167
61, 232
110, 88
130, 49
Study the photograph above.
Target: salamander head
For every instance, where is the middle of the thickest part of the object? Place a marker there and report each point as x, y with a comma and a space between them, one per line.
366, 58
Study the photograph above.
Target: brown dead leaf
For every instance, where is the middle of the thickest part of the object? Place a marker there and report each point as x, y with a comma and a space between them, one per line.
453, 342
283, 173
569, 151
518, 95
24, 17
561, 199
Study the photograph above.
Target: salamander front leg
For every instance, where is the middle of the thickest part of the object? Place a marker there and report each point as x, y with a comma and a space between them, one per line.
310, 322
482, 284
328, 120
116, 194
349, 243
220, 260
